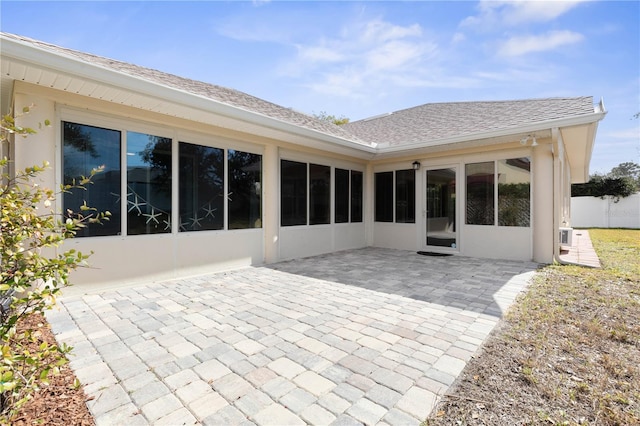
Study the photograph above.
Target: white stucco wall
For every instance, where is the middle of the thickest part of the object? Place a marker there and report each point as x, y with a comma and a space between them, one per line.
125, 259
119, 260
499, 242
594, 212
304, 241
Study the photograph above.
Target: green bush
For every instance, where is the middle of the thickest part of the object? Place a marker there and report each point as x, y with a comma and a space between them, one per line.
32, 272
602, 186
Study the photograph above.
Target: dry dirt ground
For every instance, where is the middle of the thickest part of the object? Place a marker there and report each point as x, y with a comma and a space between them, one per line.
62, 402
568, 353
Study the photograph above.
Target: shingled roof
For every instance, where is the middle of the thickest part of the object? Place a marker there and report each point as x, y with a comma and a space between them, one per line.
428, 124
221, 94
437, 121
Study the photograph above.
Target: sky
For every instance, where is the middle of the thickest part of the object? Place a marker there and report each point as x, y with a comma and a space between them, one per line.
360, 59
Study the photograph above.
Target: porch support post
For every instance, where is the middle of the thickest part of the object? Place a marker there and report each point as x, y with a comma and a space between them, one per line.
369, 196
543, 203
271, 194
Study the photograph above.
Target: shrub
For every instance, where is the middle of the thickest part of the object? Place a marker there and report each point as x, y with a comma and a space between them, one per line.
32, 272
602, 186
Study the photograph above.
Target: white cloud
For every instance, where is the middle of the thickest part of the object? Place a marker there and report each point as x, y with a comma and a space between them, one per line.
395, 55
458, 38
319, 54
378, 31
631, 134
362, 53
494, 14
521, 45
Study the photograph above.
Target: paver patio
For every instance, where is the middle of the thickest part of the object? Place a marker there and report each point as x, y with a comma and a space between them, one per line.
367, 336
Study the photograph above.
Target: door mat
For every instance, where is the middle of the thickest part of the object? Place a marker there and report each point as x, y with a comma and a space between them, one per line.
433, 253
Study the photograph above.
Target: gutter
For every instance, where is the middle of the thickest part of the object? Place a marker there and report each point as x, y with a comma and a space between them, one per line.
594, 117
557, 151
62, 62
29, 54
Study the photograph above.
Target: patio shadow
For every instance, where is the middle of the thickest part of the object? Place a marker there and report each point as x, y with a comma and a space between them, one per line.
481, 285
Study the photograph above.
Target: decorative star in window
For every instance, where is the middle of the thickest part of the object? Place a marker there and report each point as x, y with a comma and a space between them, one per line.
195, 220
136, 204
117, 196
183, 225
209, 211
153, 216
167, 223
229, 194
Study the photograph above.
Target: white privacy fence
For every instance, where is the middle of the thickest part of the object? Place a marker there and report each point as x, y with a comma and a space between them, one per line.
594, 212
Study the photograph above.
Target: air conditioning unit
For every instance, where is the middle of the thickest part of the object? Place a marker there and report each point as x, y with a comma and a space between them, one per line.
566, 237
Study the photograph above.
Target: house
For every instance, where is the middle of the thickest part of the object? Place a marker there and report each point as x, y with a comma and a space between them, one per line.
200, 177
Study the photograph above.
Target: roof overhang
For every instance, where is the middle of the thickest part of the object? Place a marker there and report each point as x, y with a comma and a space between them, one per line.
578, 144
578, 134
25, 62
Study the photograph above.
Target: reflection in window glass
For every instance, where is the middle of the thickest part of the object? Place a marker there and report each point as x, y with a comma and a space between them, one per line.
480, 190
514, 197
201, 186
293, 193
384, 197
356, 196
245, 190
148, 184
319, 194
342, 196
85, 148
405, 196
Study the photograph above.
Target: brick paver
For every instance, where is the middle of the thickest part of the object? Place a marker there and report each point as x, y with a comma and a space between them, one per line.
361, 336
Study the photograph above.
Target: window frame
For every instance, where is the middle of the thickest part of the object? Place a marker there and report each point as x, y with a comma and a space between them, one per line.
175, 134
86, 232
303, 204
409, 210
342, 193
496, 206
387, 214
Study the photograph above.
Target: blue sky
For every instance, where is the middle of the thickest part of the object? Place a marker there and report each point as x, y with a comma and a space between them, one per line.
358, 59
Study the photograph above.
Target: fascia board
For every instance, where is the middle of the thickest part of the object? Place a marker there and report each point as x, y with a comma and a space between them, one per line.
70, 66
534, 127
73, 67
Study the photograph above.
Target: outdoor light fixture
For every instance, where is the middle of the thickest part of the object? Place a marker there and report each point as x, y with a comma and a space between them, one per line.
416, 165
525, 139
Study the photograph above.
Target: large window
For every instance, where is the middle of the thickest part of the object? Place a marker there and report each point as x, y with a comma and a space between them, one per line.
245, 190
514, 192
513, 201
85, 148
319, 194
480, 193
293, 193
348, 196
384, 197
356, 196
342, 196
200, 175
201, 187
405, 196
148, 184
395, 196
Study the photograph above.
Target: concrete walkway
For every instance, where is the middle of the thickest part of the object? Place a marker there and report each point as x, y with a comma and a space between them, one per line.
368, 336
581, 251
